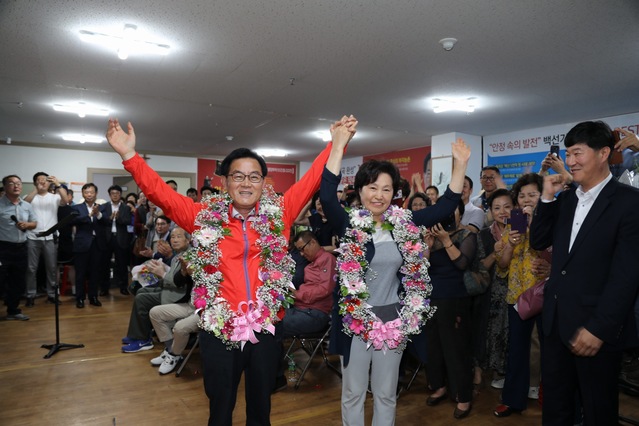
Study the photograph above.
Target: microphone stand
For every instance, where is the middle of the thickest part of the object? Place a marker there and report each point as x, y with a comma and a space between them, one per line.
57, 346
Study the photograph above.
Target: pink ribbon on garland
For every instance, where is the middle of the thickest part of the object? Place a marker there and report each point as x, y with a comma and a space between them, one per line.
385, 335
248, 321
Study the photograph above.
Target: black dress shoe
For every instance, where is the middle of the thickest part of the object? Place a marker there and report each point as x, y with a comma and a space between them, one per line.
94, 301
51, 299
460, 414
431, 401
79, 303
30, 302
124, 291
104, 293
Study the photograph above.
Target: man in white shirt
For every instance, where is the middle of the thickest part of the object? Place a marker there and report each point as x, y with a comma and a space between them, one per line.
589, 297
474, 217
45, 205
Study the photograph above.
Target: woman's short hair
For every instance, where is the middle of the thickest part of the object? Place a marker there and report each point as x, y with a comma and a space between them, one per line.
527, 179
369, 172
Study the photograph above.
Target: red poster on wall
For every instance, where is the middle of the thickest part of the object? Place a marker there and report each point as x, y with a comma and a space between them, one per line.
409, 161
281, 176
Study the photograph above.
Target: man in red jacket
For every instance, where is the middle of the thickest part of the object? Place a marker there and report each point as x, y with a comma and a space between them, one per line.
240, 265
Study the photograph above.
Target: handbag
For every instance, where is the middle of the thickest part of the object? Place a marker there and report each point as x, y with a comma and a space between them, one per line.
531, 301
476, 282
477, 278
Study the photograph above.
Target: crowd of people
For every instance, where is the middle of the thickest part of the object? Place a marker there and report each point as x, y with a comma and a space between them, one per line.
442, 277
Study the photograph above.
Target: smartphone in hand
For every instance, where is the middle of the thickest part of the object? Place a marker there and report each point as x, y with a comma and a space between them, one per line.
518, 221
554, 149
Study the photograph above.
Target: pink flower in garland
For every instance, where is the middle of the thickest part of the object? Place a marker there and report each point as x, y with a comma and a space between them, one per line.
201, 295
350, 266
357, 326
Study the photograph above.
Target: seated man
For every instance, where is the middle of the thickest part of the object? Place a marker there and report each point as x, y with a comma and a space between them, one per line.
175, 335
156, 240
314, 298
138, 337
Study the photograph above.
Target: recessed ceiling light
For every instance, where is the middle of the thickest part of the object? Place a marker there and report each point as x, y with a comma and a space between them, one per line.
76, 137
266, 152
128, 42
448, 104
82, 109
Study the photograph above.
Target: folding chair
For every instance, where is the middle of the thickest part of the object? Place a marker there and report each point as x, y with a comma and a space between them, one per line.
186, 359
311, 344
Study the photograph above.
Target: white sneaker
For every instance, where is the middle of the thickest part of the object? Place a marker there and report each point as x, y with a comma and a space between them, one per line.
157, 361
497, 383
169, 363
533, 392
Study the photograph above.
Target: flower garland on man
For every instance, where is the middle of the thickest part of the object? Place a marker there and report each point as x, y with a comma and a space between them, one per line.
382, 299
240, 266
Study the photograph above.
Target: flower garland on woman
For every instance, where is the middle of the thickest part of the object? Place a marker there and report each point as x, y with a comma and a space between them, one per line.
357, 317
384, 288
276, 269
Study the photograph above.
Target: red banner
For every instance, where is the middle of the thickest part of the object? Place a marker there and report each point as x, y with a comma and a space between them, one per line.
409, 161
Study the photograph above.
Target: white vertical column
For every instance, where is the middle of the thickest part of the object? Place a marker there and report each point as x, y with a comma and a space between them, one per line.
441, 158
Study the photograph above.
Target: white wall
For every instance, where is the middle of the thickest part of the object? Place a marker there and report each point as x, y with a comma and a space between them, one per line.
70, 165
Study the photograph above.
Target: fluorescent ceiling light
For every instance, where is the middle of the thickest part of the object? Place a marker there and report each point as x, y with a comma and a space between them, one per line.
447, 104
324, 135
81, 109
266, 152
125, 44
76, 137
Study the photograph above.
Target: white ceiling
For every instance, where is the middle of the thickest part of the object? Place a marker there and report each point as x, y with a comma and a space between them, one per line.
530, 63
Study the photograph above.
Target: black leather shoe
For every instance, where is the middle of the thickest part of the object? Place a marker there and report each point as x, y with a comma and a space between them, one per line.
104, 293
124, 291
79, 303
431, 401
30, 302
460, 414
94, 301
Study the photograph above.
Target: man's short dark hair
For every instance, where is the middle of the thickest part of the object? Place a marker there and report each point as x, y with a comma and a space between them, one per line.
191, 191
37, 175
132, 194
433, 187
305, 236
166, 219
116, 188
595, 134
238, 153
90, 185
5, 180
171, 181
493, 168
369, 172
206, 188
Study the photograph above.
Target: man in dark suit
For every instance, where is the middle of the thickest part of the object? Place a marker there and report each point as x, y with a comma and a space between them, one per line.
118, 240
587, 314
89, 245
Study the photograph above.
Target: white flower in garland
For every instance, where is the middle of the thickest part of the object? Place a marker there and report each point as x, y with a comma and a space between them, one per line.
235, 327
357, 317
